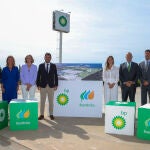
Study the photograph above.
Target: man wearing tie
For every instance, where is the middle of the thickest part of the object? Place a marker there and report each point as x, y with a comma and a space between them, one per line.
145, 77
128, 75
47, 82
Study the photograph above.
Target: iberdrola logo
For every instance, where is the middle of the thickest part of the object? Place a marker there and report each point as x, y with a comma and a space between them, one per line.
147, 123
23, 114
118, 122
87, 95
62, 99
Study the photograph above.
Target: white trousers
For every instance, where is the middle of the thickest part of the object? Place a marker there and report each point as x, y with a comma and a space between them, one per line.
28, 94
110, 94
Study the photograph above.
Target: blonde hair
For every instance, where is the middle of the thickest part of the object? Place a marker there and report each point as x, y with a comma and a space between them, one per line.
32, 60
107, 64
12, 59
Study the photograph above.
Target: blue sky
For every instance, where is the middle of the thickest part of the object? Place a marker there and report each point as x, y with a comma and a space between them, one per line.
99, 28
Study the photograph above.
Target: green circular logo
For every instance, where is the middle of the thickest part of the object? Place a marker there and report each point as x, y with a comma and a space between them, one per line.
2, 115
118, 122
62, 21
62, 99
147, 123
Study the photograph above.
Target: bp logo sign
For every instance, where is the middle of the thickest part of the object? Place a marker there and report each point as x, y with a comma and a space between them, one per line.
62, 21
118, 122
147, 123
2, 115
62, 99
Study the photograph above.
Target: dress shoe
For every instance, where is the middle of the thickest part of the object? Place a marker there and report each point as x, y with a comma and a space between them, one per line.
52, 117
41, 117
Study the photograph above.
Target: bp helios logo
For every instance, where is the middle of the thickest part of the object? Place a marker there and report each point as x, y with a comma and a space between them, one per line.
62, 21
2, 115
22, 114
87, 95
118, 122
147, 123
62, 98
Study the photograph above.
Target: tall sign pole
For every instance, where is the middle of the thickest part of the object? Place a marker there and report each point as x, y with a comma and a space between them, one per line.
61, 23
60, 47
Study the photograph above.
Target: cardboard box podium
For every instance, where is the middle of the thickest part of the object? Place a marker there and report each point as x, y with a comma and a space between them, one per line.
120, 117
23, 114
143, 126
3, 114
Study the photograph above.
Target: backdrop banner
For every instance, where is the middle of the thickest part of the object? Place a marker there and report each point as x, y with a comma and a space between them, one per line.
79, 93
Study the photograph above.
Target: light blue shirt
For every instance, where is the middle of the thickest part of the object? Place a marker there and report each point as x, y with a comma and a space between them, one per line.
28, 75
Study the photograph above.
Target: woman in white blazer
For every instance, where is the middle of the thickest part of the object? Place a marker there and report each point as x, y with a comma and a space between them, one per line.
110, 78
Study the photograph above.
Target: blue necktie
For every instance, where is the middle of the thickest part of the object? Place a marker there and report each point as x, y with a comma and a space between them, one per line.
47, 68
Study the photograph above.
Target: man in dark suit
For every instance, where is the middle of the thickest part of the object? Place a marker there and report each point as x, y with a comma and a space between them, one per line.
128, 75
47, 82
145, 77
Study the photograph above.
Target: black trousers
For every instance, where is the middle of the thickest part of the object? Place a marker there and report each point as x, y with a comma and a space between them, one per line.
128, 92
144, 91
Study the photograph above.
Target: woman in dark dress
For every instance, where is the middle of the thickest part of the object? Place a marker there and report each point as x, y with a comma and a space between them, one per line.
10, 78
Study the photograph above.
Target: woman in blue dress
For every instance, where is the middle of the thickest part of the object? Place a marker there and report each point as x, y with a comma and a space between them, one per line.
10, 79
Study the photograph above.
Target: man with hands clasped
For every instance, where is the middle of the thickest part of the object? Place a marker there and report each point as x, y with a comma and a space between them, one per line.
128, 75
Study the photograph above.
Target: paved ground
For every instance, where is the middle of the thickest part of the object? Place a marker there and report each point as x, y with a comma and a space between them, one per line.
70, 134
6, 143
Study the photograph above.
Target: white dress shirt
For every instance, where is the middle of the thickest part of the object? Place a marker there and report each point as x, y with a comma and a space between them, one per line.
46, 66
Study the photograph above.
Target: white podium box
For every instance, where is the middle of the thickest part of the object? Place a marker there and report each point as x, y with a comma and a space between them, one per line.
120, 117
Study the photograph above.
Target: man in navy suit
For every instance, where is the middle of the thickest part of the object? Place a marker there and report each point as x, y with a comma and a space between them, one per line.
145, 77
47, 82
128, 75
